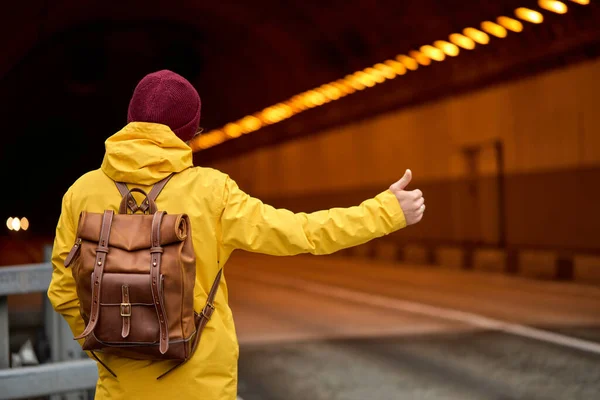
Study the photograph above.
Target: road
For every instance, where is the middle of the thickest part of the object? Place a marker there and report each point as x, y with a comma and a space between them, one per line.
316, 328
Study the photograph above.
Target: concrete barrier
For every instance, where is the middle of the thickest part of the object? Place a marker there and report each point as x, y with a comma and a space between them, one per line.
386, 251
528, 263
363, 251
415, 254
450, 257
537, 264
489, 260
587, 269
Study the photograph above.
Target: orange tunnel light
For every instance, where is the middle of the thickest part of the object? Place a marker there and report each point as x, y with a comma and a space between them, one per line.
331, 91
364, 78
477, 35
529, 15
494, 29
396, 66
344, 86
449, 49
388, 70
408, 62
233, 130
462, 41
375, 74
209, 139
555, 6
433, 52
420, 57
510, 24
353, 82
250, 124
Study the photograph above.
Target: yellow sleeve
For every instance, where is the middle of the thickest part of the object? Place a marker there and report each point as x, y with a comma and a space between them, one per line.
62, 292
250, 225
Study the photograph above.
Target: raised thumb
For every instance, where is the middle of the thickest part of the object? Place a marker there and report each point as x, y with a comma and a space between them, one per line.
403, 182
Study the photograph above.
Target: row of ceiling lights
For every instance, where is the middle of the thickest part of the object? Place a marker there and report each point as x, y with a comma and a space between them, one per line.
379, 73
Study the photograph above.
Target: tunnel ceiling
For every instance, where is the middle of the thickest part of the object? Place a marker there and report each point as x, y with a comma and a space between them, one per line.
69, 67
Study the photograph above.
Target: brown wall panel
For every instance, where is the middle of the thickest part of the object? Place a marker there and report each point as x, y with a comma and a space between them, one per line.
556, 209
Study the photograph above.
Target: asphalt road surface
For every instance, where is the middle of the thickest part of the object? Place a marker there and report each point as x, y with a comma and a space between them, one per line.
316, 328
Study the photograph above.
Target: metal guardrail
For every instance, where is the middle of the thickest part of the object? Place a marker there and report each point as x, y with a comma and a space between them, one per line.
45, 379
71, 374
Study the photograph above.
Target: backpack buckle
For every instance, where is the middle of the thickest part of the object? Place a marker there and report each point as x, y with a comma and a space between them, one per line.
125, 309
208, 310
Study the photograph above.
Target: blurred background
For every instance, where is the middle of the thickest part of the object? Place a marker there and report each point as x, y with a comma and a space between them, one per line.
313, 105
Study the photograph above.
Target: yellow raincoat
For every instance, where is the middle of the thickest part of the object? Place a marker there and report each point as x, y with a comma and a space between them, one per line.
223, 218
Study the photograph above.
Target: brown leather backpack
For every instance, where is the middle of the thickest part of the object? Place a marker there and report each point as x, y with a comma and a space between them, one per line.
135, 277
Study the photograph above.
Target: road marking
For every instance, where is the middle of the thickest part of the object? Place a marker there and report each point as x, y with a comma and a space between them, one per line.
481, 321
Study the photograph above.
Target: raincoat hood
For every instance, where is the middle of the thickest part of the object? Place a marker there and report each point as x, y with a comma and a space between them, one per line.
145, 153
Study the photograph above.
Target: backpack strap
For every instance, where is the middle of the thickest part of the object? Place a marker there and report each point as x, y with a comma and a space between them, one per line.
154, 192
126, 201
146, 203
101, 252
205, 315
208, 309
131, 203
155, 258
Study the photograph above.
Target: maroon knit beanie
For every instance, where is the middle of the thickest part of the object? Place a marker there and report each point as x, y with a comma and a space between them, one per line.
167, 98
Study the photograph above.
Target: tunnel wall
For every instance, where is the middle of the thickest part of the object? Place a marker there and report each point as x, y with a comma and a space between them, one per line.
547, 127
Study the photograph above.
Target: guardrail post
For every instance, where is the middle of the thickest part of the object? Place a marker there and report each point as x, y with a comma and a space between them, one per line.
51, 319
565, 270
468, 257
430, 255
62, 345
4, 345
400, 253
512, 261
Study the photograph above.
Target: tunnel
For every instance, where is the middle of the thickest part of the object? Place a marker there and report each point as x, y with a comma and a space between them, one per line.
314, 109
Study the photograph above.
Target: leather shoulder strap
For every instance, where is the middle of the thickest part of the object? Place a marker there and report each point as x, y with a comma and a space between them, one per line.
215, 286
131, 203
154, 192
208, 309
158, 187
205, 315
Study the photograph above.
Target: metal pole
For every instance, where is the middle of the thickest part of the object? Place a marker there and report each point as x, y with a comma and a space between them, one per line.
51, 319
4, 338
502, 239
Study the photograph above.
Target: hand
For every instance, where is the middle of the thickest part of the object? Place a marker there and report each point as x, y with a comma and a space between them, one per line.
412, 202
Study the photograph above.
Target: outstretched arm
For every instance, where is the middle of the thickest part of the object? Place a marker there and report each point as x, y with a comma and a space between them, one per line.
249, 224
